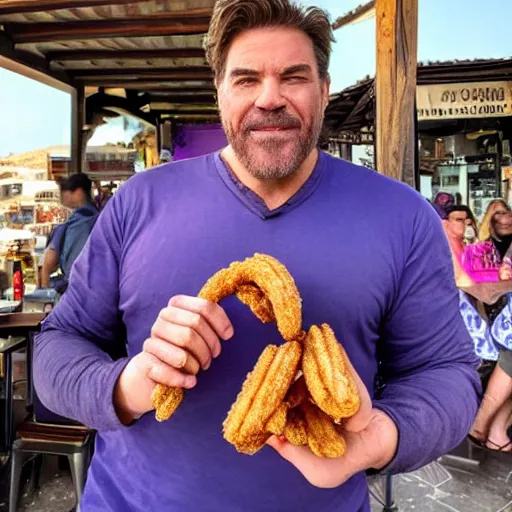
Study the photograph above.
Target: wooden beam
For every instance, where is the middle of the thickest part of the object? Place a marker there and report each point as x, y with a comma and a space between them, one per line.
77, 126
7, 50
354, 15
190, 22
189, 99
175, 73
155, 85
397, 42
185, 112
169, 53
28, 6
100, 101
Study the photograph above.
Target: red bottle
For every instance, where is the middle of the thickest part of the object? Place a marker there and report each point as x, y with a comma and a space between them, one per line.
17, 281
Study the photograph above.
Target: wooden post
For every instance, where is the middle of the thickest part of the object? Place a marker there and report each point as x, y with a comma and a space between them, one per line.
397, 42
77, 126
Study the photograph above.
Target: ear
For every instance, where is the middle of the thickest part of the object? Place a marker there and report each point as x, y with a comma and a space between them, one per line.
326, 87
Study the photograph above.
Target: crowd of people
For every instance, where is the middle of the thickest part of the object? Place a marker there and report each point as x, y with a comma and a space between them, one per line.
483, 254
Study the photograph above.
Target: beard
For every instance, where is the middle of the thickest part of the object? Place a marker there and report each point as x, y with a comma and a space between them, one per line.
271, 158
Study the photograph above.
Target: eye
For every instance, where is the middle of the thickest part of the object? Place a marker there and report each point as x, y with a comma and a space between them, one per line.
295, 78
246, 81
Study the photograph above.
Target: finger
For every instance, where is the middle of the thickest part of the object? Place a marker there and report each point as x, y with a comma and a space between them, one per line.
195, 321
183, 337
161, 373
363, 416
214, 314
296, 455
172, 355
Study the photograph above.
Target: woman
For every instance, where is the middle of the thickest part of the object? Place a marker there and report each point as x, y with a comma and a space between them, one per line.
492, 427
496, 206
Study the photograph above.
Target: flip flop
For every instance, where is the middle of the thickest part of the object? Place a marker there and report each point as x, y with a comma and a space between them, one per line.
498, 447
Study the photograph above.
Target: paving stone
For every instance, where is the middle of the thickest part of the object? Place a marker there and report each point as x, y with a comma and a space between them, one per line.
431, 489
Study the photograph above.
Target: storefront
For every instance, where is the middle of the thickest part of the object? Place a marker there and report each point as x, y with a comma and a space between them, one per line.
464, 129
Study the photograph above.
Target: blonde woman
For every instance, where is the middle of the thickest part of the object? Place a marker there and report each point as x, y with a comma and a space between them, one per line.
495, 207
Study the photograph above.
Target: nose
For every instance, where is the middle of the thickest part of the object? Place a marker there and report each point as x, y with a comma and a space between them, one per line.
270, 97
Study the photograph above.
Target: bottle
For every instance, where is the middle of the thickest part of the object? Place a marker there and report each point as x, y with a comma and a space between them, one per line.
17, 281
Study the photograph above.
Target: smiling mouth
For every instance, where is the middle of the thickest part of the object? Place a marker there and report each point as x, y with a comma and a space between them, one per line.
273, 129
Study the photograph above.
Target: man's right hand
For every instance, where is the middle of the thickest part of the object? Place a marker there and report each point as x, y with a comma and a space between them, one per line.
184, 339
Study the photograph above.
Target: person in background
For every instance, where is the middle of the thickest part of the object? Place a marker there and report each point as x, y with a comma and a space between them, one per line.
165, 156
495, 207
381, 279
493, 424
455, 228
442, 201
103, 195
68, 239
471, 231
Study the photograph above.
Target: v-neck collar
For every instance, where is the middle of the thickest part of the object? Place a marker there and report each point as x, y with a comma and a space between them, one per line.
255, 203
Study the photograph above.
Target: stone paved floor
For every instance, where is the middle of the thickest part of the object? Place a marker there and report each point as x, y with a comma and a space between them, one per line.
435, 488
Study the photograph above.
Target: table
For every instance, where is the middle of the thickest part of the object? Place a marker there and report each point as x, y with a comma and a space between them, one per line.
15, 330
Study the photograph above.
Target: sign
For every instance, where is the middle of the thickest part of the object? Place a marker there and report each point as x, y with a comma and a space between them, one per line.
355, 138
464, 100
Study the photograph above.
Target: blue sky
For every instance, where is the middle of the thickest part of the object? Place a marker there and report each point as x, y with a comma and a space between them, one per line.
35, 116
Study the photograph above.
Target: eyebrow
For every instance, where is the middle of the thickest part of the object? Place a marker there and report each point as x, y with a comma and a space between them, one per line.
298, 68
236, 72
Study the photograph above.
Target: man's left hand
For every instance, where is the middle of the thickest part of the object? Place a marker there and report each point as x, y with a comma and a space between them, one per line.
371, 437
373, 447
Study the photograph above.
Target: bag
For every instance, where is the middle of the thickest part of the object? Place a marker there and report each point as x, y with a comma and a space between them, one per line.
481, 262
78, 229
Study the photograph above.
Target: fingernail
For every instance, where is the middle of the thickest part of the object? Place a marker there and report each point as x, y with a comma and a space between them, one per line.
190, 381
207, 365
228, 333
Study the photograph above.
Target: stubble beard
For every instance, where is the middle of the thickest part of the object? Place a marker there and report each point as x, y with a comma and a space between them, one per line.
277, 164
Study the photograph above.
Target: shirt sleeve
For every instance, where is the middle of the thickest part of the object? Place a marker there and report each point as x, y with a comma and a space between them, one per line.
431, 386
77, 355
56, 238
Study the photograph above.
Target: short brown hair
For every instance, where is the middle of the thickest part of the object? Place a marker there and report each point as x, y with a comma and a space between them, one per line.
232, 17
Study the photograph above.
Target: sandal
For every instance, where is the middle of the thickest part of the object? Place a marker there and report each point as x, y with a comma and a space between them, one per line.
478, 443
498, 447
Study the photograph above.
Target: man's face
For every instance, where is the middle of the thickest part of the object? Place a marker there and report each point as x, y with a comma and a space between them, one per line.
72, 199
272, 100
456, 224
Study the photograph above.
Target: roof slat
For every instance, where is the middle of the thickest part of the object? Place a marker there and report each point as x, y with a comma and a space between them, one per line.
30, 6
170, 53
191, 22
168, 73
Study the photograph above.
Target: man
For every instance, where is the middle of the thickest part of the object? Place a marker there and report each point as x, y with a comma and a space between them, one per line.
381, 279
68, 239
455, 228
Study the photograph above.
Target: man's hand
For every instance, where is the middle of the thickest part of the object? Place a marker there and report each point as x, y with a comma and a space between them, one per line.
372, 440
184, 339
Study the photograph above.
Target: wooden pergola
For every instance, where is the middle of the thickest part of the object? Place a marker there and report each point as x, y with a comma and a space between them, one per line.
141, 58
145, 58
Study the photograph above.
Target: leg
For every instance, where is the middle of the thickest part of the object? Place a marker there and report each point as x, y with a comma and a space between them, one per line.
497, 393
77, 463
16, 467
35, 473
498, 431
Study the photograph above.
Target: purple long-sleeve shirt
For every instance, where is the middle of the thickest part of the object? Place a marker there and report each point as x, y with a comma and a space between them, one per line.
369, 257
